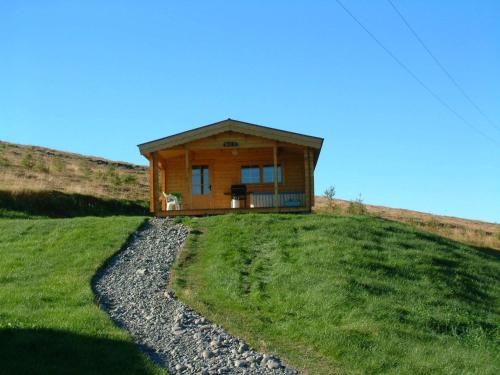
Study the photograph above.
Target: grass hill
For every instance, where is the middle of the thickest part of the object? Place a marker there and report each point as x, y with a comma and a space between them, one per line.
356, 289
343, 294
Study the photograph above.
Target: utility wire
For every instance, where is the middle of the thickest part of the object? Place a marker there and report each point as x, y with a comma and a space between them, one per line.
414, 76
441, 66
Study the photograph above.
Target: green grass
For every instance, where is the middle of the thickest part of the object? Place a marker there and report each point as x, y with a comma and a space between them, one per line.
49, 320
346, 294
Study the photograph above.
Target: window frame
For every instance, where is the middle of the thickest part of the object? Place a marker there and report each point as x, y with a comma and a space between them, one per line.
250, 167
202, 184
280, 174
261, 167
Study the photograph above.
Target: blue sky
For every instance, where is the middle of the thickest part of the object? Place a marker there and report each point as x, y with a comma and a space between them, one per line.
99, 77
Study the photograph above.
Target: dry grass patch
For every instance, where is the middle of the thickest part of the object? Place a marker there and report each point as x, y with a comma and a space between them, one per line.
38, 168
473, 232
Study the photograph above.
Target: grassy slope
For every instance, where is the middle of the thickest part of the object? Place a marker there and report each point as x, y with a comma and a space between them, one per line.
472, 232
39, 168
346, 294
49, 321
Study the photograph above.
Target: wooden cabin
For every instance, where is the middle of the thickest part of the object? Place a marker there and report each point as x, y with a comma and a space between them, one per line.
231, 166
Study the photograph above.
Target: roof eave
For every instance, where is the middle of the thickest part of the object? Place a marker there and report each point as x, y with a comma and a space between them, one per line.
231, 125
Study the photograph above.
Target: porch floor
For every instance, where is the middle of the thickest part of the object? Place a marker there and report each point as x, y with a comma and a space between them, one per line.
220, 211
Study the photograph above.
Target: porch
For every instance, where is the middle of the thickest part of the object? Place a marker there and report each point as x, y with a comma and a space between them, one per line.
221, 211
273, 179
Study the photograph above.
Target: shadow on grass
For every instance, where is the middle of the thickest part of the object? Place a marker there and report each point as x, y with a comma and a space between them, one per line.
48, 351
423, 233
57, 204
450, 264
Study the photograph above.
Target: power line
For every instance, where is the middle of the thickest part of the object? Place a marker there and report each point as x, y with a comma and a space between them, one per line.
441, 66
414, 76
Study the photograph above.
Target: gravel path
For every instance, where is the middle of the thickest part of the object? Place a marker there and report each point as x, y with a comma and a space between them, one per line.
132, 288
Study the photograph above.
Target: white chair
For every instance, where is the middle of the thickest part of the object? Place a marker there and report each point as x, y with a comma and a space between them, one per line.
172, 202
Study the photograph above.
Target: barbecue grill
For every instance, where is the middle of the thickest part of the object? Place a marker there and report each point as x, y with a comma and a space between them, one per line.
239, 192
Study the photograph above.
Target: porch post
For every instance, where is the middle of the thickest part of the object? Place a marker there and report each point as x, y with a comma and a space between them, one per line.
153, 183
275, 158
187, 183
164, 186
307, 175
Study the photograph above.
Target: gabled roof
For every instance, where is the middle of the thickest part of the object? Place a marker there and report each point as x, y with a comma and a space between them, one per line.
235, 126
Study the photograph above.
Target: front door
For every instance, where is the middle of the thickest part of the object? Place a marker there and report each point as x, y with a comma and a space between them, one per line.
201, 188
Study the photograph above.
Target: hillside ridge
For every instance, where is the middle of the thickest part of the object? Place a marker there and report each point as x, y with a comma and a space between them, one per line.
55, 152
28, 167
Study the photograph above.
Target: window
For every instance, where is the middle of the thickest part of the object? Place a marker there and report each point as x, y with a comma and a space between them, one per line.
250, 174
269, 173
199, 180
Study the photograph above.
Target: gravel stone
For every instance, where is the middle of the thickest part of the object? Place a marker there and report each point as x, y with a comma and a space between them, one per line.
273, 364
132, 289
141, 272
214, 344
179, 367
240, 363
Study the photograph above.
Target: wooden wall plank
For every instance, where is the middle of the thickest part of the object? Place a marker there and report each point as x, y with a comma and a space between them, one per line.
311, 174
275, 166
307, 179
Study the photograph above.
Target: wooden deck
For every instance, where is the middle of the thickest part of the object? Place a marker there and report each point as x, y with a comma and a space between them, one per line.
221, 211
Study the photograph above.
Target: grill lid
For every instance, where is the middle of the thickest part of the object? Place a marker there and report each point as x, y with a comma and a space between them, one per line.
237, 190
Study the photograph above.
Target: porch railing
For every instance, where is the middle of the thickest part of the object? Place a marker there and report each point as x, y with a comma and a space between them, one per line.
285, 199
